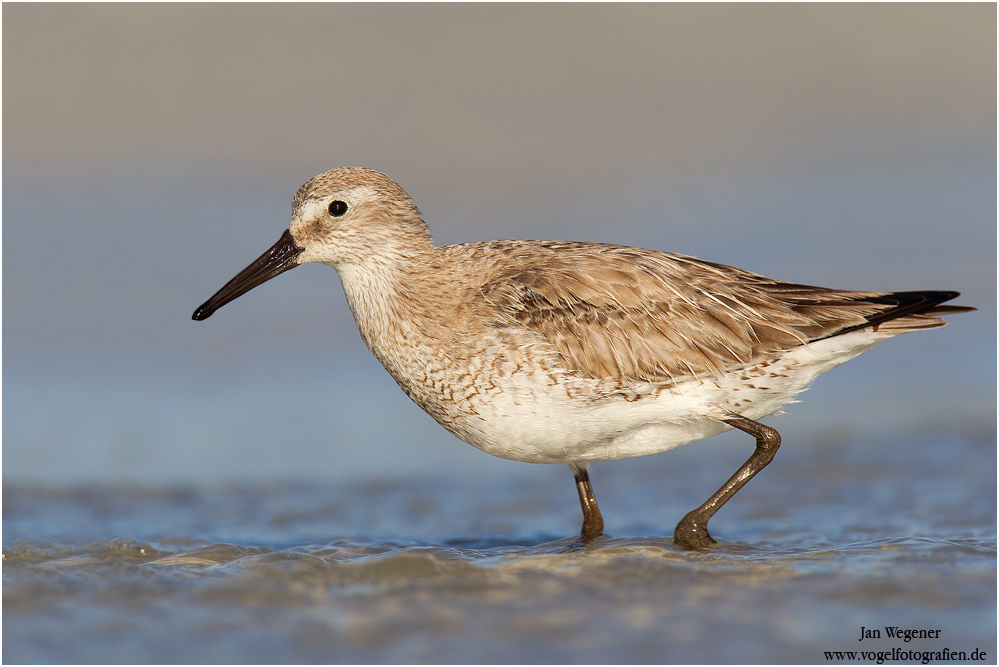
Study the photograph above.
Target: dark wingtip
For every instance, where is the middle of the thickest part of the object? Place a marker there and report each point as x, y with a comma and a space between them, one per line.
915, 303
902, 304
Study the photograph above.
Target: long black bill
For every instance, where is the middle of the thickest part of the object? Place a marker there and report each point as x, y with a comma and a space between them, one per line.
282, 256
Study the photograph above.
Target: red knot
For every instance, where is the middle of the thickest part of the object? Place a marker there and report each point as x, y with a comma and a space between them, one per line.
563, 352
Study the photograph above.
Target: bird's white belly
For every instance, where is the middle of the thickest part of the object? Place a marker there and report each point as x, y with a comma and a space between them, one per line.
528, 418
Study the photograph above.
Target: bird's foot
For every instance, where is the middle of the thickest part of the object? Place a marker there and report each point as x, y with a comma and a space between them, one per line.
692, 533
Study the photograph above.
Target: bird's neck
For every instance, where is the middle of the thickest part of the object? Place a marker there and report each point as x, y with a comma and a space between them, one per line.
387, 299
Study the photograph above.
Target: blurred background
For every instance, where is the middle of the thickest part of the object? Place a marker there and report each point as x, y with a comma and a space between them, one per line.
151, 151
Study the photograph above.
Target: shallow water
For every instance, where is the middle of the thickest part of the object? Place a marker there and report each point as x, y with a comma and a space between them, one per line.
825, 541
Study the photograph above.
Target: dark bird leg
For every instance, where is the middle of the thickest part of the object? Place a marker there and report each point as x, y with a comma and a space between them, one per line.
692, 531
593, 523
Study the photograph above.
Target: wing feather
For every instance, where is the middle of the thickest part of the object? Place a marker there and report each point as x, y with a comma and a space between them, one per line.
645, 316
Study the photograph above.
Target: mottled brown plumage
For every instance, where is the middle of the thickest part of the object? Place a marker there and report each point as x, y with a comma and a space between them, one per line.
642, 315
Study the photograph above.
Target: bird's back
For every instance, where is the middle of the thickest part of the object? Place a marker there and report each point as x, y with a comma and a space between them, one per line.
634, 315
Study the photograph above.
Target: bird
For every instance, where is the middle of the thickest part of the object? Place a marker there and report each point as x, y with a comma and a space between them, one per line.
576, 352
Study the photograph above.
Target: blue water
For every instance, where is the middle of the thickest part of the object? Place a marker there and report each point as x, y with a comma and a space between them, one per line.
833, 536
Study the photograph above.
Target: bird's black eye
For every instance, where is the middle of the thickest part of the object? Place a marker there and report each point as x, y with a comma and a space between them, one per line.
337, 208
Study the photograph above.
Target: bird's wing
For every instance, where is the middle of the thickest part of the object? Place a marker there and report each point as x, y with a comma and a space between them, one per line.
640, 315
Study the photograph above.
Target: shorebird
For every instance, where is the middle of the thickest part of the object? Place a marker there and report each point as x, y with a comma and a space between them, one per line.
565, 352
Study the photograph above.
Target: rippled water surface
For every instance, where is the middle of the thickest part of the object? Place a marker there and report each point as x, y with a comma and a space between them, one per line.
827, 540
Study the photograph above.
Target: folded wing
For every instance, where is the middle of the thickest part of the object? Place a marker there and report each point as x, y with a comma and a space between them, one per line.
640, 315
